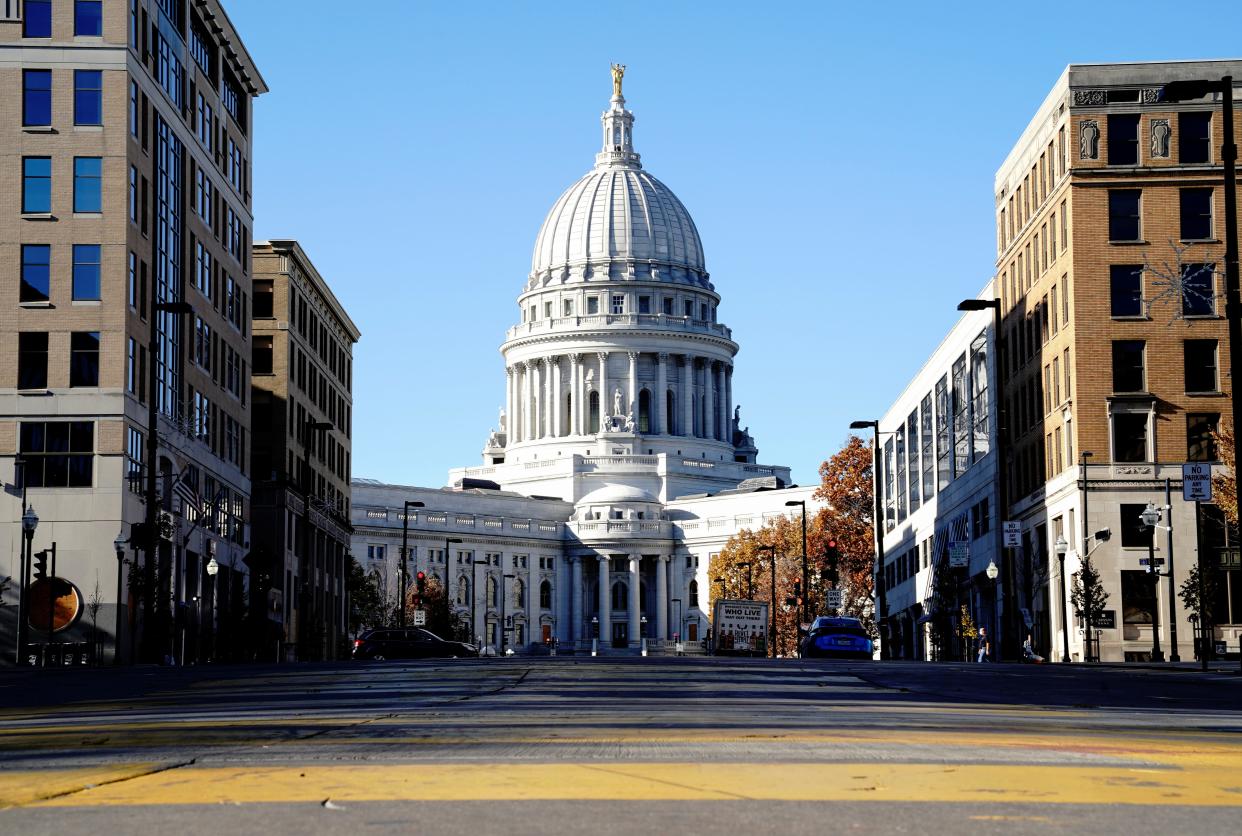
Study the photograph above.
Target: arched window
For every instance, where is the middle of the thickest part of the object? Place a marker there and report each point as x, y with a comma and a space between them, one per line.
493, 592
545, 595
519, 593
694, 593
644, 411
463, 591
593, 414
620, 596
670, 423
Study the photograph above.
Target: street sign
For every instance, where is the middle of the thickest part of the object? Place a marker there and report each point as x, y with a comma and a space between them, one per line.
959, 554
1013, 535
834, 599
1143, 561
1197, 482
420, 618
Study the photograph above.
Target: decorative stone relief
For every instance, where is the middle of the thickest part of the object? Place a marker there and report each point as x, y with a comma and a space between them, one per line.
1150, 95
1090, 97
1089, 140
1160, 138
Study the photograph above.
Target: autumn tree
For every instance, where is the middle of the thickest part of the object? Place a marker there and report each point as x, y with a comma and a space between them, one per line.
847, 489
366, 603
1088, 597
1224, 485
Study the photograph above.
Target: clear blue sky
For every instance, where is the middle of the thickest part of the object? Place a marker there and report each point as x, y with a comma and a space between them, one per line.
837, 157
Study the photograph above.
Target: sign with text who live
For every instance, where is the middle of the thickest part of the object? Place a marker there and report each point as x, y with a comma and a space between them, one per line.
1197, 482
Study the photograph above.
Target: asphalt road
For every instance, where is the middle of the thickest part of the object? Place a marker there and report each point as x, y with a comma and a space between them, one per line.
601, 746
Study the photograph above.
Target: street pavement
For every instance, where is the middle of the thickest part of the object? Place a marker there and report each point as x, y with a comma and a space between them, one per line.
621, 745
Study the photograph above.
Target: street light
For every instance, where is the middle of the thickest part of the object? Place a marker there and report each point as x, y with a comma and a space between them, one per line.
771, 550
405, 538
878, 522
1062, 547
212, 569
1178, 91
993, 573
1009, 634
119, 545
1086, 550
448, 605
750, 581
30, 521
1151, 520
806, 578
504, 634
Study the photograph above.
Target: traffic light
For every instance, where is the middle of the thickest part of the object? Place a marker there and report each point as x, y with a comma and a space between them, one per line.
420, 587
832, 559
798, 589
40, 565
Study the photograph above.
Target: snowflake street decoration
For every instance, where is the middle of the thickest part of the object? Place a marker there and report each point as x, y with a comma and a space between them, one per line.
1189, 288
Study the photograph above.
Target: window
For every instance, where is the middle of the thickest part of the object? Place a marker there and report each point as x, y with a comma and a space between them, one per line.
202, 49
1123, 214
133, 280
37, 185
134, 456
37, 97
87, 177
1064, 225
1196, 207
36, 273
547, 310
85, 272
592, 305
87, 97
261, 355
168, 69
1128, 365
131, 366
1134, 534
567, 307
133, 194
58, 454
84, 358
203, 122
1126, 288
232, 99
32, 360
545, 595
38, 19
1199, 362
1123, 139
1198, 290
1138, 596
263, 295
133, 108
1130, 437
1194, 137
1200, 442
618, 304
1065, 293
687, 308
644, 304
668, 305
202, 195
88, 18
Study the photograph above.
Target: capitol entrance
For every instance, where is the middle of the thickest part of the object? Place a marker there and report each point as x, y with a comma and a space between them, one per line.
620, 634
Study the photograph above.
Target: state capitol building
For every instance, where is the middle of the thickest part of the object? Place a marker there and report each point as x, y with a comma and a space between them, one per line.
619, 467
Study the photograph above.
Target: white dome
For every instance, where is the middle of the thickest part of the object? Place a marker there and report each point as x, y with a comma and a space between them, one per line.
618, 213
613, 493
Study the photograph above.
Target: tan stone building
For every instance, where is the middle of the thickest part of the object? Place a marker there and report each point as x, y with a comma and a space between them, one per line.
303, 411
1110, 267
125, 147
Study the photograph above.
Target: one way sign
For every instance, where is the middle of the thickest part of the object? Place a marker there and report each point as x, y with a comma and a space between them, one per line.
1197, 482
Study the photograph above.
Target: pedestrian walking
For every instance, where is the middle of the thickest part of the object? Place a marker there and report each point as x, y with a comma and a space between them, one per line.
985, 647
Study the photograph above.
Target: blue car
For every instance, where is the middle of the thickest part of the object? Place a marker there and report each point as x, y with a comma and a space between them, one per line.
837, 636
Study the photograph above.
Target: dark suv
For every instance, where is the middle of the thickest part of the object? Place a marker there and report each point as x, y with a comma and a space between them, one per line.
413, 643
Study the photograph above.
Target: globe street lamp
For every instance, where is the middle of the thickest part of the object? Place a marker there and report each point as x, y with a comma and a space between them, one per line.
993, 572
30, 521
1061, 548
1151, 519
119, 545
212, 568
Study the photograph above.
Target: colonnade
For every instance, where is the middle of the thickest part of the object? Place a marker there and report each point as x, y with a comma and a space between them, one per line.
544, 400
667, 577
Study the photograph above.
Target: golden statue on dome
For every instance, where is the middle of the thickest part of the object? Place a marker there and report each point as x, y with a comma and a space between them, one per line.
618, 72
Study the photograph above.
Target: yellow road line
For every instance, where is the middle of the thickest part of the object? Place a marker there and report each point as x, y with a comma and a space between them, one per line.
668, 781
24, 787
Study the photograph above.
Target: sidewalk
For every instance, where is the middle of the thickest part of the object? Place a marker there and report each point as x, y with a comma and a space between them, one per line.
1223, 666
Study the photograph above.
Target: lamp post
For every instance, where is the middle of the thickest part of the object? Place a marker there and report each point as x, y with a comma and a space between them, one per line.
1009, 634
212, 569
448, 605
678, 632
1151, 518
1061, 548
1196, 89
119, 545
30, 522
806, 578
878, 523
405, 539
504, 633
750, 581
993, 572
771, 550
1086, 548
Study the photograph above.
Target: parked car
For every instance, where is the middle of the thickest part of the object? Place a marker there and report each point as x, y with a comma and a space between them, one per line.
412, 643
837, 636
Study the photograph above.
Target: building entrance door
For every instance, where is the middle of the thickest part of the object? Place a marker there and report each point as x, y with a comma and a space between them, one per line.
620, 634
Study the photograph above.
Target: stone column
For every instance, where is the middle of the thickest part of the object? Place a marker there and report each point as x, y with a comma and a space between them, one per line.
605, 601
524, 370
687, 397
575, 395
660, 401
662, 597
605, 397
709, 400
635, 599
633, 394
557, 412
509, 399
728, 403
674, 625
532, 581
540, 404
575, 594
546, 396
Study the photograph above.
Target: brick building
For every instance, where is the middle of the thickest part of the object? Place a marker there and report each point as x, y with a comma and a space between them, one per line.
125, 157
303, 410
1110, 267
